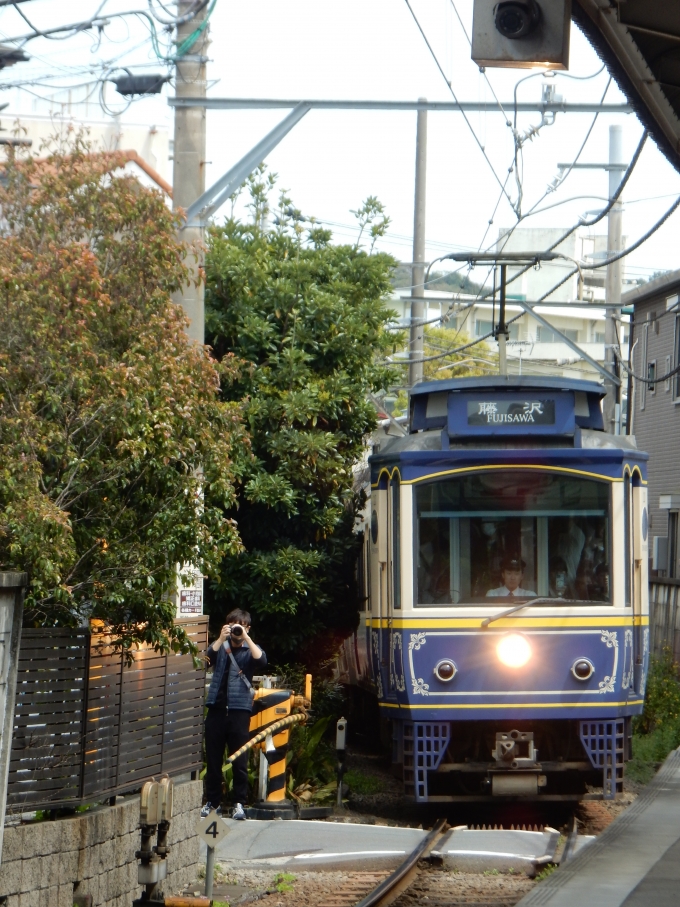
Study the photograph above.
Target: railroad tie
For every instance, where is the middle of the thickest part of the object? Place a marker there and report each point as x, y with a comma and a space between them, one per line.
353, 889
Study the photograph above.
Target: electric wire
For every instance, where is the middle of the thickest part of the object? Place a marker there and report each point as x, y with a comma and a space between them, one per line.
619, 255
443, 318
648, 381
532, 211
453, 95
459, 349
588, 223
483, 68
174, 21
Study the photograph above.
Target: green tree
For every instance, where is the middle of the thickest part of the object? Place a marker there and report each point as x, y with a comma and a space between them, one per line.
439, 364
308, 317
116, 452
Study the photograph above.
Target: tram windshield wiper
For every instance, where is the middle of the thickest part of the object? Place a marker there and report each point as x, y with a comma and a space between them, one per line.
527, 604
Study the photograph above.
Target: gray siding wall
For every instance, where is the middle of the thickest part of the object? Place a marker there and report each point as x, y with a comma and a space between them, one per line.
657, 415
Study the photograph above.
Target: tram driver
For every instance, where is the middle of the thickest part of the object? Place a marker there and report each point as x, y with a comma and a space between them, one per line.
512, 574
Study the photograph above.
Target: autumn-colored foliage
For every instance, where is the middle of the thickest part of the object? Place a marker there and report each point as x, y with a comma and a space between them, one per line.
116, 453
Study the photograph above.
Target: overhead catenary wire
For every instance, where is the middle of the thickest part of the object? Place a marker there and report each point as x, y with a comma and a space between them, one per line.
453, 95
459, 349
582, 222
636, 245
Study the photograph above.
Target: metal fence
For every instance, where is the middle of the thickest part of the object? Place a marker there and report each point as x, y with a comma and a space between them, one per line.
88, 726
664, 616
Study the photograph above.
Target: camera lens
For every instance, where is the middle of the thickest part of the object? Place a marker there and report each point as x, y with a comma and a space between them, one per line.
237, 631
516, 18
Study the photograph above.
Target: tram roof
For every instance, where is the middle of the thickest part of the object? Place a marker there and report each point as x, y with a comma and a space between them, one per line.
508, 383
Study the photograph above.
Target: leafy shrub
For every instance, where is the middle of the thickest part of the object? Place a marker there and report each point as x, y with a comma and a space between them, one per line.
309, 319
657, 730
662, 701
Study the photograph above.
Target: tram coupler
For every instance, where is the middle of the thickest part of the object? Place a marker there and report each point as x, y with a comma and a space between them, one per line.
518, 771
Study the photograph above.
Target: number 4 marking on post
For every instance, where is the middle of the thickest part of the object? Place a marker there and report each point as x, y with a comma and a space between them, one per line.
212, 829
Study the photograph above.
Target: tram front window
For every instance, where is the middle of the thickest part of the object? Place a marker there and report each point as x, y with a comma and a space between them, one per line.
515, 534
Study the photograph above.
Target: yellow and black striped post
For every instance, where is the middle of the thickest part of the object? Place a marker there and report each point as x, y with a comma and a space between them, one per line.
270, 706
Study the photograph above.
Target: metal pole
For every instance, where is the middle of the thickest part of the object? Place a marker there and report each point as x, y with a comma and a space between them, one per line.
189, 158
209, 872
613, 280
502, 330
214, 103
415, 371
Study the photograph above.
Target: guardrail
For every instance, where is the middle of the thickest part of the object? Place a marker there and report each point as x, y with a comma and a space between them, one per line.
664, 616
87, 726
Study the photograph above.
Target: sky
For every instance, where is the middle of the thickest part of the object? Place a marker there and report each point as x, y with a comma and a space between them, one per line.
333, 160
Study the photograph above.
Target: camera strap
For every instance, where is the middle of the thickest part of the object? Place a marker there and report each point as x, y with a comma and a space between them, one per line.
240, 673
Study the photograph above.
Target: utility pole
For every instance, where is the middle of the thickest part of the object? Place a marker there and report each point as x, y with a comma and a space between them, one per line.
415, 369
611, 405
188, 181
502, 330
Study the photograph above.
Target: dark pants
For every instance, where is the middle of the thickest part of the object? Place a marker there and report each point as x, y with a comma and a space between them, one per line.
226, 729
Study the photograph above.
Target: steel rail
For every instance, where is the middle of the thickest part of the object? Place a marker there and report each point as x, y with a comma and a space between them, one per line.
396, 883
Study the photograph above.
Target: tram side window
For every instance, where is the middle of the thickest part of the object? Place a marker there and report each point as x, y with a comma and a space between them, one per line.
516, 534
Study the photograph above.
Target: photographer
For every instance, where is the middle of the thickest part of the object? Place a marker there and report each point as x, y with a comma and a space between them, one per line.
235, 658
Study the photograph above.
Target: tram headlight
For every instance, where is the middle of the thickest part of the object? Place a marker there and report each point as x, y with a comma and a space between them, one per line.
445, 670
513, 651
583, 669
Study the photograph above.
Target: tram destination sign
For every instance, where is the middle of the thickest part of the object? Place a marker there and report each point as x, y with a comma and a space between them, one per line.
510, 412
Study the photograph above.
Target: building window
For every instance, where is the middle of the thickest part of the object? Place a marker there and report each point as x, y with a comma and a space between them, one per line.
643, 388
667, 382
482, 328
598, 337
676, 359
673, 544
545, 335
651, 376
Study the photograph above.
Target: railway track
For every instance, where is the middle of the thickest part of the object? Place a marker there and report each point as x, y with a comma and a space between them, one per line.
415, 883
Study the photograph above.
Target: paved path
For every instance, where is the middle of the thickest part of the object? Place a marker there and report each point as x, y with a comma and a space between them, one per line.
635, 862
315, 845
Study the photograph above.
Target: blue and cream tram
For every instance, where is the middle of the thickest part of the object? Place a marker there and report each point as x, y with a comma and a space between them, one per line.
505, 631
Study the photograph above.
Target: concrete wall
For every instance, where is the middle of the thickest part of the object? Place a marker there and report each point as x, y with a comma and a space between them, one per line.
45, 863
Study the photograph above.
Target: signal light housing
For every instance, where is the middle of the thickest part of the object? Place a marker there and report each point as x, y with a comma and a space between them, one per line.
521, 34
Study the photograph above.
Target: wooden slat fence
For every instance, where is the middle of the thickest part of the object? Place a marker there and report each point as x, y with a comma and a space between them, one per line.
88, 726
664, 616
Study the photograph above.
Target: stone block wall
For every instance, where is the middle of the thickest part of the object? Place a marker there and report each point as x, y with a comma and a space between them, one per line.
45, 863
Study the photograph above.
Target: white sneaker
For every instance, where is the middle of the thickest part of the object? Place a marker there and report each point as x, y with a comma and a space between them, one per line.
238, 812
208, 808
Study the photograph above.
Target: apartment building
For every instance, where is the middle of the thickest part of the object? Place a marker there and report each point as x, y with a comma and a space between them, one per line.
654, 416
